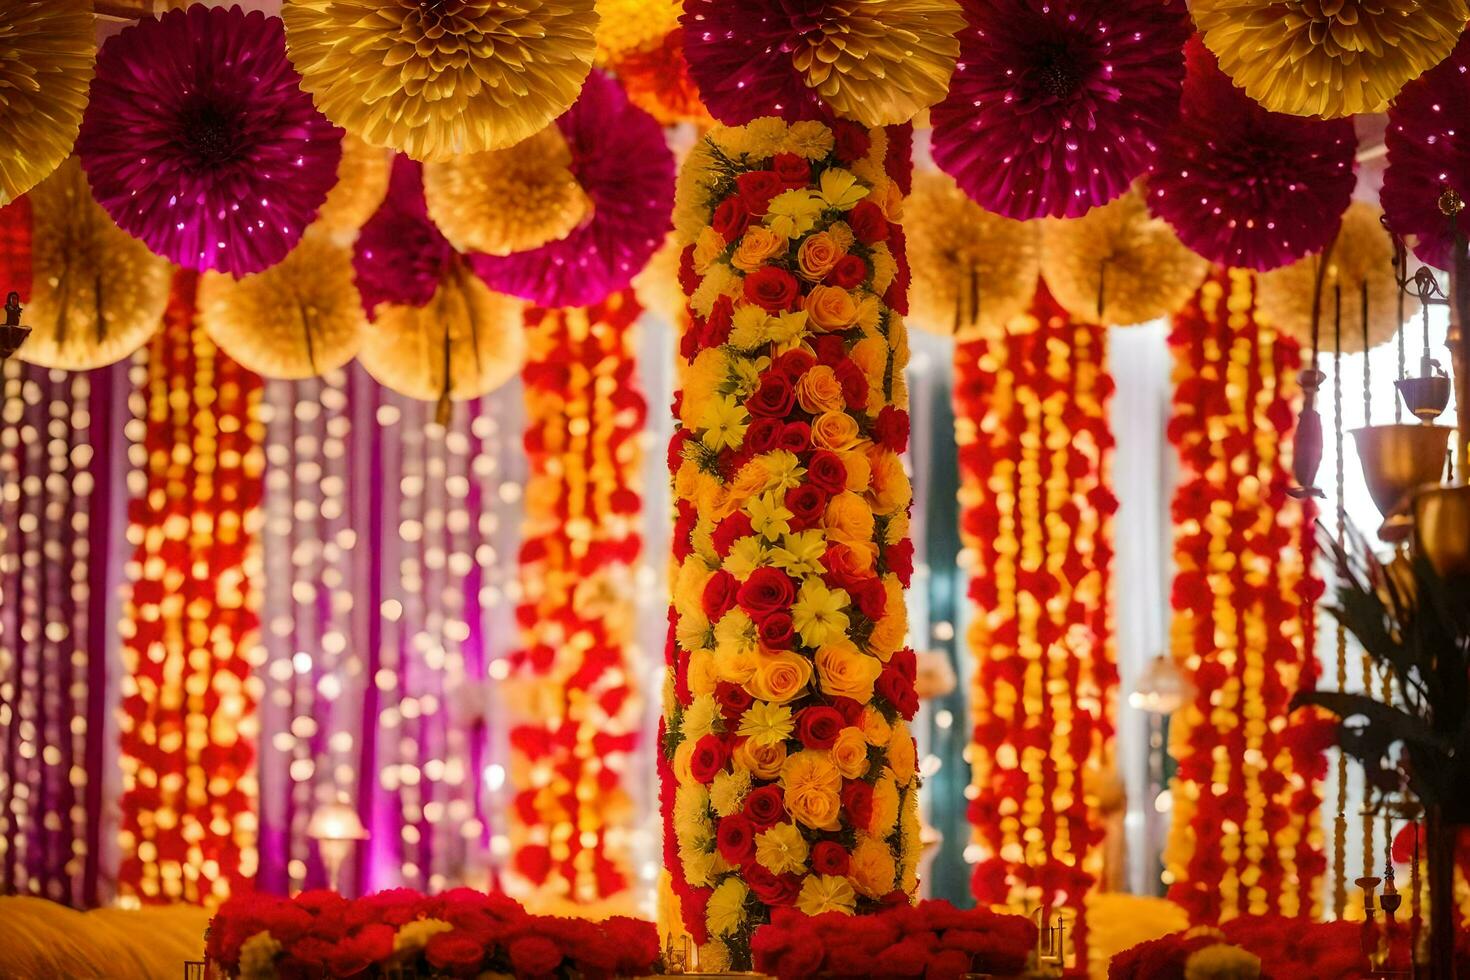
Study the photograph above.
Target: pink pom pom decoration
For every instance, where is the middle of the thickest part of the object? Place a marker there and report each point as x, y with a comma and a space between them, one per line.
1057, 105
199, 141
401, 256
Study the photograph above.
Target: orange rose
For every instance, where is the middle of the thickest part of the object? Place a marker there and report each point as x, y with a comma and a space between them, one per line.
762, 761
876, 727
817, 255
780, 677
845, 673
707, 248
818, 391
859, 471
757, 246
850, 560
836, 431
830, 308
849, 518
850, 753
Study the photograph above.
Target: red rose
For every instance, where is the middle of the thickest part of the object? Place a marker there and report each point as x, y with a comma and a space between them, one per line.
774, 397
534, 956
710, 755
807, 503
776, 631
857, 800
731, 218
728, 531
795, 363
871, 598
717, 328
850, 710
827, 472
775, 890
773, 289
868, 223
891, 428
735, 837
455, 953
854, 383
850, 272
792, 169
719, 594
733, 699
900, 560
830, 348
765, 807
763, 435
688, 278
852, 141
756, 189
766, 591
817, 727
796, 437
684, 522
898, 691
689, 339
830, 858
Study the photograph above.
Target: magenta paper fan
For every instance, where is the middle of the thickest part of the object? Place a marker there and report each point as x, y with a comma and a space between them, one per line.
1246, 187
401, 256
621, 160
739, 55
1428, 142
1057, 105
199, 141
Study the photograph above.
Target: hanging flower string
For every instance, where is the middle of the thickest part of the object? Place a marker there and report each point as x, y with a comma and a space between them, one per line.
1247, 791
572, 682
1034, 448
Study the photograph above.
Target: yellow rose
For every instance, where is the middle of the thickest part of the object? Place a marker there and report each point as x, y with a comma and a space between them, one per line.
844, 673
848, 518
826, 893
885, 806
817, 255
694, 575
756, 248
736, 666
725, 910
682, 756
812, 787
781, 849
830, 308
707, 248
836, 431
702, 674
871, 869
891, 491
780, 677
901, 756
876, 727
819, 391
762, 761
850, 753
859, 470
871, 354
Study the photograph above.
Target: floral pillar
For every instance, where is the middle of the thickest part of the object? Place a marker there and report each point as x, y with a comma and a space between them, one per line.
787, 766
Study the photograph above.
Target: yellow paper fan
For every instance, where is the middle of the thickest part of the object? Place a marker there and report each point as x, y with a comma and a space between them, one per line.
48, 51
1123, 256
444, 78
972, 270
362, 184
97, 294
506, 201
298, 319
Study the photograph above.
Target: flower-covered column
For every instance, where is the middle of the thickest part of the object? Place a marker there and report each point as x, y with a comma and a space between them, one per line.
788, 768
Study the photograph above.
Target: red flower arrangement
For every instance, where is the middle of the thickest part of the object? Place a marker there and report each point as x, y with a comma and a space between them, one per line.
461, 933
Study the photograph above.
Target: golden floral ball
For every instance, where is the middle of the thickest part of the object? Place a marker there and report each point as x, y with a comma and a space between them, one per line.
48, 51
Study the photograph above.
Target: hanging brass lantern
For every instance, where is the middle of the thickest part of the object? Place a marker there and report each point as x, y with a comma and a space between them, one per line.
12, 334
1442, 530
1399, 460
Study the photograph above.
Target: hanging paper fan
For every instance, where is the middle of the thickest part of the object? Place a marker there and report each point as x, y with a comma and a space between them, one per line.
1057, 106
621, 161
879, 63
1361, 255
362, 184
973, 271
1329, 59
1118, 264
298, 319
401, 256
1246, 187
47, 53
96, 294
199, 141
435, 79
1429, 153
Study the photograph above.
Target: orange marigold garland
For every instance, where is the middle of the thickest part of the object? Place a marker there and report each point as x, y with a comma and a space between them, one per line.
1244, 839
1034, 453
788, 770
573, 680
189, 621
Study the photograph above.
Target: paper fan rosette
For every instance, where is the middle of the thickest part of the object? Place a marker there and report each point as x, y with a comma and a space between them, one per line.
47, 52
362, 184
96, 294
436, 79
973, 270
1118, 264
1246, 187
879, 62
1428, 141
298, 319
400, 256
1328, 59
1057, 106
621, 161
1361, 256
200, 143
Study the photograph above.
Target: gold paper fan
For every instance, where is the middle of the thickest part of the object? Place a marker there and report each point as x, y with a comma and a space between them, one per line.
97, 294
298, 319
443, 78
466, 342
972, 270
506, 201
362, 184
1362, 253
48, 51
1123, 256
1328, 58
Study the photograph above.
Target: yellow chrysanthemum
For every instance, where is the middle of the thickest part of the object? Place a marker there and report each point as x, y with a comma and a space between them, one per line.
633, 25
1328, 58
872, 868
511, 200
48, 50
362, 184
1122, 259
298, 319
724, 423
97, 294
781, 849
258, 956
413, 936
1222, 962
436, 79
972, 270
826, 893
725, 911
819, 612
728, 791
765, 723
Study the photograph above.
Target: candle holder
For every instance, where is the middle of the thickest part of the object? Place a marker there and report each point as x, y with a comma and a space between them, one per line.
12, 334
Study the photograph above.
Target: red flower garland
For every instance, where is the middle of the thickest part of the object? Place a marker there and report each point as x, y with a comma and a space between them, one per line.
1247, 784
572, 683
1034, 449
189, 792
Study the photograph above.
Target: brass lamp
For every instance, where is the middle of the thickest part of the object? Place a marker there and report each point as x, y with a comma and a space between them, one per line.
12, 334
1442, 530
1397, 461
